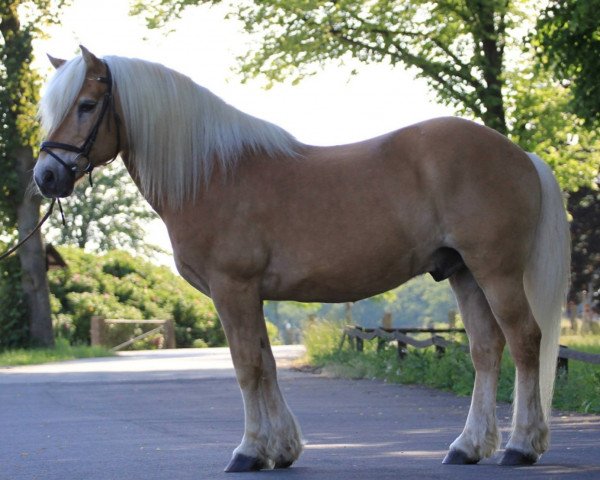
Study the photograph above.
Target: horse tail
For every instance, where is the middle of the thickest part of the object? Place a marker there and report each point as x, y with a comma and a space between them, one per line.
547, 276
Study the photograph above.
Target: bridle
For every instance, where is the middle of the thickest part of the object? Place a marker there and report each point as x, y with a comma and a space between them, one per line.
84, 151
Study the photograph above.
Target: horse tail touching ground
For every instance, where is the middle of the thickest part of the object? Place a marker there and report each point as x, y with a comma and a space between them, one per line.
547, 276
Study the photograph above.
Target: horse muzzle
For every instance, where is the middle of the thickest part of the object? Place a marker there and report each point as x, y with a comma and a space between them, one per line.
52, 179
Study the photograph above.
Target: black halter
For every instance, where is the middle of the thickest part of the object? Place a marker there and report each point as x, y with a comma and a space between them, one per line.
85, 149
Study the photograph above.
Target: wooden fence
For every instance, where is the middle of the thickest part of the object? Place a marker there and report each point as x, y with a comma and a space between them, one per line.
98, 330
356, 336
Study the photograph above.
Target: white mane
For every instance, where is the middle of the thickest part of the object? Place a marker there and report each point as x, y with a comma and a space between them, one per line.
176, 129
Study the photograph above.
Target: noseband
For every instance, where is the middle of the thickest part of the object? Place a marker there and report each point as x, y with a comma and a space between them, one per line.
84, 150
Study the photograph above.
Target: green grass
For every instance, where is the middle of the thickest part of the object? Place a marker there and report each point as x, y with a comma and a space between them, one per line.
62, 351
579, 391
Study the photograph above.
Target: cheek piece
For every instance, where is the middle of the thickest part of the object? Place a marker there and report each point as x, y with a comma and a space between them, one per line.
84, 151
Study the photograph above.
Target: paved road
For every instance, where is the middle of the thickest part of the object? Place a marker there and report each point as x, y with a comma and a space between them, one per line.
178, 415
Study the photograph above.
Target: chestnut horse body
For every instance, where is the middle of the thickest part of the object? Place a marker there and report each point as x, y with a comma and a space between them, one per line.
265, 217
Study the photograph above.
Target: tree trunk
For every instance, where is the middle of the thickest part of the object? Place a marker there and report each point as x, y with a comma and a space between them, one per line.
492, 58
32, 256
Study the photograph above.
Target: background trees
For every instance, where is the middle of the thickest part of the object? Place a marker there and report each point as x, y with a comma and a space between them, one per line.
18, 137
25, 316
568, 42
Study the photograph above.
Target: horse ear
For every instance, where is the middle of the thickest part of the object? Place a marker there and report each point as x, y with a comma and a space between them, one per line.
89, 58
56, 62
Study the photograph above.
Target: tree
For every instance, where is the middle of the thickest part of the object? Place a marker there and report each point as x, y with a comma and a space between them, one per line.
457, 46
19, 86
568, 42
541, 122
584, 206
106, 216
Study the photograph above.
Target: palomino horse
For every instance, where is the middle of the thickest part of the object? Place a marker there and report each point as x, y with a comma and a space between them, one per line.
253, 214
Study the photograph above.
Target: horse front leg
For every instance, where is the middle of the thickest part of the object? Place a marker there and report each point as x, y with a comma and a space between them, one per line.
272, 437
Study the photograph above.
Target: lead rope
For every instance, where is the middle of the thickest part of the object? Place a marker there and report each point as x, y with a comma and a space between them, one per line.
37, 227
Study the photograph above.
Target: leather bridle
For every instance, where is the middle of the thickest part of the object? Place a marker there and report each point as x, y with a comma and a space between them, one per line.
84, 151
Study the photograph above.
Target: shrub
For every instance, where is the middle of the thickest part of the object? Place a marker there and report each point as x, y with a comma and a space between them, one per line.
118, 285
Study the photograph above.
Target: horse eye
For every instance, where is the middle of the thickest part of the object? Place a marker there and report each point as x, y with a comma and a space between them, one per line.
86, 106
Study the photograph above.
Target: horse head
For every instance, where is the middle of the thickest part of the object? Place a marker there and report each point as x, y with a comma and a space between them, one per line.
80, 115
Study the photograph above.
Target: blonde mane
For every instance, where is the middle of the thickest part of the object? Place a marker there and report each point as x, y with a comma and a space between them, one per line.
177, 130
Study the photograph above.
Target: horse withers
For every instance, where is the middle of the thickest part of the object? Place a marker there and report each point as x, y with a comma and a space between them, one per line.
254, 215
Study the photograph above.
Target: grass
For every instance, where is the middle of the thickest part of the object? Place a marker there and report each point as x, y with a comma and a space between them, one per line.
579, 391
62, 351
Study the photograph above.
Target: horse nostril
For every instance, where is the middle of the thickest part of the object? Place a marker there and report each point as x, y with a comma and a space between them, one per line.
47, 177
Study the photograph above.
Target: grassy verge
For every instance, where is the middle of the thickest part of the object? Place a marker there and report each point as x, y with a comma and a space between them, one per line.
62, 351
579, 391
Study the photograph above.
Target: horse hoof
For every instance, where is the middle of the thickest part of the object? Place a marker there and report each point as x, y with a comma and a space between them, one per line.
457, 457
244, 463
283, 463
515, 458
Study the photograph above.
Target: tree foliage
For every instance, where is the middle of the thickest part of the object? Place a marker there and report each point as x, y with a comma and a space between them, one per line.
584, 206
456, 46
18, 97
21, 22
108, 216
540, 121
14, 328
19, 92
568, 42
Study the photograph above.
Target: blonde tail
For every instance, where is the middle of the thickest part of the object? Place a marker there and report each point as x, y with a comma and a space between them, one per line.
547, 276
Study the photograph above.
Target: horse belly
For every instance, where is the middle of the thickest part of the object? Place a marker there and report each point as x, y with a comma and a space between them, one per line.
343, 272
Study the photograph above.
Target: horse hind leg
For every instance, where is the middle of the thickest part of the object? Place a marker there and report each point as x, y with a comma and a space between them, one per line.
480, 437
506, 296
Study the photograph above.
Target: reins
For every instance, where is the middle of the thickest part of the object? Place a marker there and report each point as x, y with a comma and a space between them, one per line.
37, 227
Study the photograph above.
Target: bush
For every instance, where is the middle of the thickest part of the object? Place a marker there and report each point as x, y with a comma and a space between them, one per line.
14, 328
118, 285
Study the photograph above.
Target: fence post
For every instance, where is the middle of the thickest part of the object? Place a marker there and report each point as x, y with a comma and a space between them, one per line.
402, 350
439, 349
562, 364
169, 334
386, 323
97, 330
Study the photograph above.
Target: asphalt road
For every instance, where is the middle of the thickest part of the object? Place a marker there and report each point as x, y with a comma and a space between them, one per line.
177, 415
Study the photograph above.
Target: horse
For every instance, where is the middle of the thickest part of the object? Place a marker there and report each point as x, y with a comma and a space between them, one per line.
254, 214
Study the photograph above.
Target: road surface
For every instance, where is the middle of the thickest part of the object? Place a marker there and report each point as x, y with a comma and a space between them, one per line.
177, 415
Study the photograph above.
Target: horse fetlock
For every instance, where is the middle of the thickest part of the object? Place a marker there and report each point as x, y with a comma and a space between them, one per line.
478, 444
530, 443
285, 444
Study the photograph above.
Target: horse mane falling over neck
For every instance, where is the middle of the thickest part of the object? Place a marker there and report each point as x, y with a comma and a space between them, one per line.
177, 131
